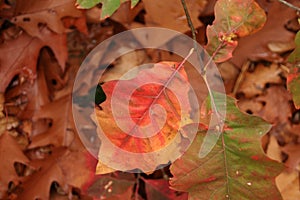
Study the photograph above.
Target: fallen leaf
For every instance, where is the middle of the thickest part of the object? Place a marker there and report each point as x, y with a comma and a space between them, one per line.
288, 185
111, 188
58, 132
255, 82
31, 15
236, 168
233, 18
158, 189
64, 167
294, 56
20, 56
255, 47
273, 106
10, 153
173, 14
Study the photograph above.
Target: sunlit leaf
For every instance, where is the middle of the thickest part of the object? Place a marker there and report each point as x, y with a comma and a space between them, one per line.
108, 6
233, 19
236, 168
293, 84
146, 113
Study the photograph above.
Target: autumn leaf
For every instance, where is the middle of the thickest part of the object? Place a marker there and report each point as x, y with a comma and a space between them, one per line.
8, 146
20, 56
294, 57
58, 167
159, 189
293, 79
32, 14
147, 127
108, 6
233, 19
236, 168
111, 188
174, 17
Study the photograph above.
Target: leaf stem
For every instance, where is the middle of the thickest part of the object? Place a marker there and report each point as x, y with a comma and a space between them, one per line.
289, 5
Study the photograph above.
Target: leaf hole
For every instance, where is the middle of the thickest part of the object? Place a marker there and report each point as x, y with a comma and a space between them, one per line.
140, 17
54, 82
20, 168
26, 19
249, 112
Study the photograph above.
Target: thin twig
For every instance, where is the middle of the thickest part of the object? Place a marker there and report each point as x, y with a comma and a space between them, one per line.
240, 77
193, 30
289, 5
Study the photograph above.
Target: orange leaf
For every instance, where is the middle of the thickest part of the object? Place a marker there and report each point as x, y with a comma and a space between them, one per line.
144, 115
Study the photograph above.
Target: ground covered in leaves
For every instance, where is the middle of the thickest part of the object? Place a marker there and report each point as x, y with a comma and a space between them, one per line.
42, 45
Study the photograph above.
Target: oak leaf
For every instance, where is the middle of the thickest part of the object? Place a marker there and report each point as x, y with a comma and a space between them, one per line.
20, 56
32, 14
10, 153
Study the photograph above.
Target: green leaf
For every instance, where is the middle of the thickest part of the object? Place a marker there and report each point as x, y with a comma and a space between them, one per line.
293, 85
295, 55
108, 6
293, 78
233, 18
86, 4
236, 168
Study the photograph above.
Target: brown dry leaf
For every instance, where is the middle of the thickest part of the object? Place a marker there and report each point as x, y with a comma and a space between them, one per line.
10, 153
255, 82
125, 14
171, 15
293, 151
66, 168
31, 15
124, 64
288, 185
58, 134
20, 56
255, 47
273, 106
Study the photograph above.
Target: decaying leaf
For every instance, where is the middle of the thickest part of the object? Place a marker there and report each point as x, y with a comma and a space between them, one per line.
256, 46
236, 168
173, 14
20, 56
288, 185
57, 167
10, 153
159, 190
255, 82
233, 18
32, 15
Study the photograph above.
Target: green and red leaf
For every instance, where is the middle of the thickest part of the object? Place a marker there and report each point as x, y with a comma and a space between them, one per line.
236, 168
233, 19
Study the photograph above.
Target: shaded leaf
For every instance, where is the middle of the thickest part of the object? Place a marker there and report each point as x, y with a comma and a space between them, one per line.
158, 189
111, 188
293, 84
294, 57
233, 18
174, 17
63, 167
236, 168
10, 153
32, 14
20, 56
